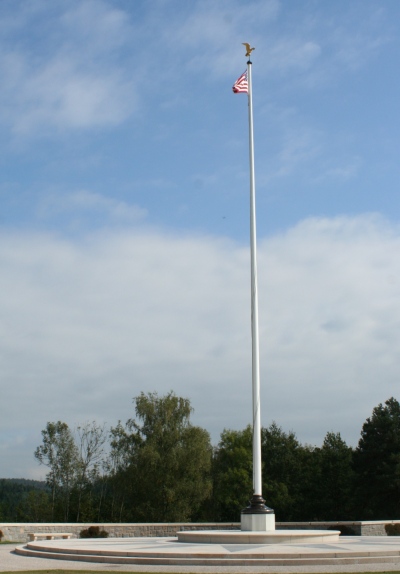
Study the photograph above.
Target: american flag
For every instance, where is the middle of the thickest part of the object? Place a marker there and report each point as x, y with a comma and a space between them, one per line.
241, 85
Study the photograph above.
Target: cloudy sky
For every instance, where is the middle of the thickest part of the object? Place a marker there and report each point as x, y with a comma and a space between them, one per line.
124, 218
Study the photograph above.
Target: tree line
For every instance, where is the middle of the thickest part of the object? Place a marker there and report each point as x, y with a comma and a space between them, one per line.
158, 467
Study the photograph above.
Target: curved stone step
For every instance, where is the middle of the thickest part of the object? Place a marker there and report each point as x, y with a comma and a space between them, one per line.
168, 551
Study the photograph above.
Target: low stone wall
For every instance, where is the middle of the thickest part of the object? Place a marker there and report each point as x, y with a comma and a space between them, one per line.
376, 528
18, 532
356, 528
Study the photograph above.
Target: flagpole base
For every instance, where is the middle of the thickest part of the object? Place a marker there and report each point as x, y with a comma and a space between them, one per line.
257, 517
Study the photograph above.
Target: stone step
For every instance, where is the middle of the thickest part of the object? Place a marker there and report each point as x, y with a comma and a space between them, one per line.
174, 554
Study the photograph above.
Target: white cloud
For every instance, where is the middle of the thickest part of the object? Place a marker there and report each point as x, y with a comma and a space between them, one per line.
340, 323
86, 205
83, 64
61, 96
305, 46
213, 33
293, 53
88, 326
354, 50
72, 75
97, 24
300, 146
348, 170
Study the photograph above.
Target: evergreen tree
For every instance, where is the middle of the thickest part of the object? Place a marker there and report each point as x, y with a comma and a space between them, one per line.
377, 464
334, 488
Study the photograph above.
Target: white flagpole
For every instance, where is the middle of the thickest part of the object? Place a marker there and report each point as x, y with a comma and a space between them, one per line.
257, 481
257, 516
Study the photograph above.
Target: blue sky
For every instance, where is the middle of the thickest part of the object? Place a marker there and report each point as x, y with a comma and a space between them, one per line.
124, 217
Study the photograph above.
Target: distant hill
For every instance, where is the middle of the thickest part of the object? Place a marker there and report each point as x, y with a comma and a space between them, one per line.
22, 499
31, 484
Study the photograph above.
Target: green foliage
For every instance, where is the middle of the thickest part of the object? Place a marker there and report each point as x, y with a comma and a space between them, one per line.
60, 454
232, 474
392, 529
91, 438
15, 495
282, 466
93, 532
345, 530
377, 464
162, 468
334, 489
300, 482
163, 461
35, 506
75, 472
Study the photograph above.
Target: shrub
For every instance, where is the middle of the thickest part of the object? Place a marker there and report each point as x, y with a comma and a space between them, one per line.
93, 532
393, 529
345, 530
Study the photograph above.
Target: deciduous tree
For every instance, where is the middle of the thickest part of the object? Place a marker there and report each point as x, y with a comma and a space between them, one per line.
232, 474
91, 438
60, 454
282, 468
165, 459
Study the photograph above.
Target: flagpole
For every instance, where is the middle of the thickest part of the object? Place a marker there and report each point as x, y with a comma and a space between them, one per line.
257, 516
257, 481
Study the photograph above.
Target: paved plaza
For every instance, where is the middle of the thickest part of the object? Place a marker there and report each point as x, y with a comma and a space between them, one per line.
350, 554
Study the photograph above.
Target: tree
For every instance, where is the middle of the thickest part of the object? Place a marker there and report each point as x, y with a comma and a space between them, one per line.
91, 440
165, 459
282, 458
232, 474
334, 488
117, 468
60, 454
289, 474
16, 495
377, 463
35, 506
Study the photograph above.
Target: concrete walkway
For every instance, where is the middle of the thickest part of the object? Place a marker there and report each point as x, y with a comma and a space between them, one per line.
387, 549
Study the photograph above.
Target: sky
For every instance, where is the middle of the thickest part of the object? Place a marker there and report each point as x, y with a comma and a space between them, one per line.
124, 213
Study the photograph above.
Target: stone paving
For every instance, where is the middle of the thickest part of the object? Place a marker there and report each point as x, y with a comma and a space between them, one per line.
387, 550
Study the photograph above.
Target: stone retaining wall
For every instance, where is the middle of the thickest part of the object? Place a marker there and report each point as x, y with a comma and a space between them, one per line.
18, 532
376, 528
356, 528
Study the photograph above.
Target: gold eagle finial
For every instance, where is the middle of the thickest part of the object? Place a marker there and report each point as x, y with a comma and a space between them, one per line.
248, 49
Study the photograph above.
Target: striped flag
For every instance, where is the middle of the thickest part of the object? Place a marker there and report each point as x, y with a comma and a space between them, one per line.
241, 85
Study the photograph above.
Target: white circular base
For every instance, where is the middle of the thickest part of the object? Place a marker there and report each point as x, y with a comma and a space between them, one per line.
258, 537
257, 522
